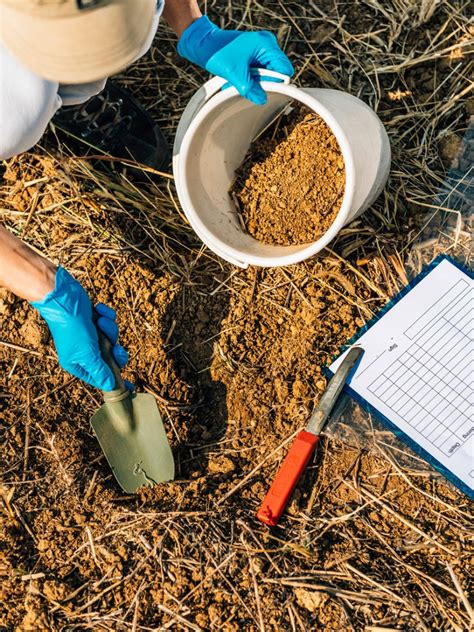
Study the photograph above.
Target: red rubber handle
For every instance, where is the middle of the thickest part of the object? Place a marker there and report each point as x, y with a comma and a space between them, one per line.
287, 477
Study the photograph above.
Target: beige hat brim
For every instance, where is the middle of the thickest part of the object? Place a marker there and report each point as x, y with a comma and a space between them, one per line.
82, 48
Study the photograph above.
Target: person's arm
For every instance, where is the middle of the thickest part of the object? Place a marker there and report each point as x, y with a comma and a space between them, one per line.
66, 308
233, 55
22, 271
180, 13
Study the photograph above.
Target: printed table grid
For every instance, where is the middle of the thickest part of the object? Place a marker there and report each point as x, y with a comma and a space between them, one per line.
430, 384
445, 303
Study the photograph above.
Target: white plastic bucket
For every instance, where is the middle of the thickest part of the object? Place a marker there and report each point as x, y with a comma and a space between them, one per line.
213, 137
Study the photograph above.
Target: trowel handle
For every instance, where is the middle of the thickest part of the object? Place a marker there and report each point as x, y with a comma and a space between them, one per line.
287, 477
120, 389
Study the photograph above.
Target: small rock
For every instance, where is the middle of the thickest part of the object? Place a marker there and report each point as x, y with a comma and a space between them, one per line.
299, 388
450, 149
309, 599
221, 465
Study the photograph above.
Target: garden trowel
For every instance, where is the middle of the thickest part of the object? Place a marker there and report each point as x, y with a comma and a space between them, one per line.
304, 445
131, 433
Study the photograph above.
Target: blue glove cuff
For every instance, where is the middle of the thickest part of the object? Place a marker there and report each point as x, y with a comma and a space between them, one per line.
38, 304
202, 39
67, 294
68, 313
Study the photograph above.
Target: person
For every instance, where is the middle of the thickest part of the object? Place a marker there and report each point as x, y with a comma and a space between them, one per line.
55, 58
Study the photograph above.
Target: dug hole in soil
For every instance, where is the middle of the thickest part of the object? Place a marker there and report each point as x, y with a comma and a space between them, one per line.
290, 185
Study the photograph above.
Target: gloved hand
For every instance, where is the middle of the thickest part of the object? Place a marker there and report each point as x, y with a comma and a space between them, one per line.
68, 312
231, 55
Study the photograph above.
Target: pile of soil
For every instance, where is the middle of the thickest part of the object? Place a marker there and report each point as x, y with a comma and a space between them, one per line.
290, 186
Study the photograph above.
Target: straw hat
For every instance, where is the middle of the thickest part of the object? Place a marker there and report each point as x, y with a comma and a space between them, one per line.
75, 41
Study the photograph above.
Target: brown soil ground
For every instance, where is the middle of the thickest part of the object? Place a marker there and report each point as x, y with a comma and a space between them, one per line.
290, 186
372, 539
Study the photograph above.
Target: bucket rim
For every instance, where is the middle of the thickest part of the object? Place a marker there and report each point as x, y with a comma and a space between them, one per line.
301, 252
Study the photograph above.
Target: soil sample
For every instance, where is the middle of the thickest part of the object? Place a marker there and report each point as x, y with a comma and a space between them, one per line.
290, 186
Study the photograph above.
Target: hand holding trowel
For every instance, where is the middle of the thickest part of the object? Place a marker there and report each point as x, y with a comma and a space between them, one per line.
304, 445
131, 432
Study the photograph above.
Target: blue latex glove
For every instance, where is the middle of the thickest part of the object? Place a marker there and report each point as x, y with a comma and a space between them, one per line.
68, 312
232, 54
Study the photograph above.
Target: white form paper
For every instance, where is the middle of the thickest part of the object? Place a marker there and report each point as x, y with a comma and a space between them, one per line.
417, 369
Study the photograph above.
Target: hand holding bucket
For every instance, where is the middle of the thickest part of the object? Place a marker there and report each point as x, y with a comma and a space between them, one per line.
234, 55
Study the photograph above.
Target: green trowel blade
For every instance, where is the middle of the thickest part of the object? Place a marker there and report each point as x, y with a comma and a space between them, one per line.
134, 443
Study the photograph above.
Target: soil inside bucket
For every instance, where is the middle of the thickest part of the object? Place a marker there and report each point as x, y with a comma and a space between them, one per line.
290, 186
